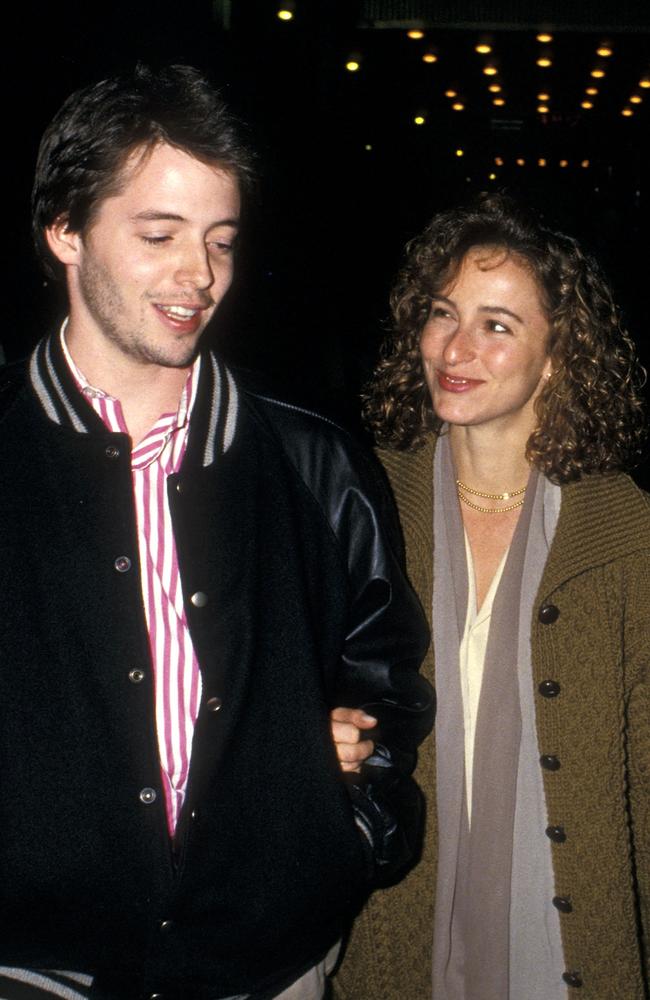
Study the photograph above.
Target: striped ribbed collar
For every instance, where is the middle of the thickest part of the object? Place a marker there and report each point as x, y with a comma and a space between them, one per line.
213, 421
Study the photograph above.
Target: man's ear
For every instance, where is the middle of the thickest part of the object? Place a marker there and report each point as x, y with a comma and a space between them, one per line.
62, 241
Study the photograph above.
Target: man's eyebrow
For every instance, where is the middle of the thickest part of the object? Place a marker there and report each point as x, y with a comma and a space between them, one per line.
152, 215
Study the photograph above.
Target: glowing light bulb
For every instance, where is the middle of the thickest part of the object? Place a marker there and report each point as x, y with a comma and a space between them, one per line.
429, 57
415, 34
285, 15
598, 74
544, 37
544, 62
458, 106
604, 50
587, 105
483, 48
352, 66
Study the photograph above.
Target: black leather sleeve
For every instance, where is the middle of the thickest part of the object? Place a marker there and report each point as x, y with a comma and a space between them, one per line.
386, 637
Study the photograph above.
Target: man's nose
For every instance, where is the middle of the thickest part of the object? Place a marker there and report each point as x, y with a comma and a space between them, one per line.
194, 268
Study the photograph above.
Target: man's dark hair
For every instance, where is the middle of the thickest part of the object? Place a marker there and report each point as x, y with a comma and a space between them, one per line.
87, 143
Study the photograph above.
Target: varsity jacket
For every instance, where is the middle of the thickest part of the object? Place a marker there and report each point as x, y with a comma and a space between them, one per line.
296, 602
590, 646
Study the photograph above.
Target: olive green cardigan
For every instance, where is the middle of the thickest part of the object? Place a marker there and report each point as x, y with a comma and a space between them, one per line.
598, 726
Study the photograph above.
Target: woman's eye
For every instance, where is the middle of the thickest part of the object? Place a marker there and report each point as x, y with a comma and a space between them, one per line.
438, 312
495, 327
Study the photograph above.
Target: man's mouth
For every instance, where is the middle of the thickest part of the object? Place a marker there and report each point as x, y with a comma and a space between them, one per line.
180, 312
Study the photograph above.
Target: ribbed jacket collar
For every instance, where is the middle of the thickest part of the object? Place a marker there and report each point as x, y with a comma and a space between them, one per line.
214, 418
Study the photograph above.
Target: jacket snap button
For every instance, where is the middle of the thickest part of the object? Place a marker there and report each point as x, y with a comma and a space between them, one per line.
556, 834
136, 676
549, 689
112, 451
548, 614
166, 925
572, 979
122, 564
562, 904
213, 704
549, 762
148, 795
199, 599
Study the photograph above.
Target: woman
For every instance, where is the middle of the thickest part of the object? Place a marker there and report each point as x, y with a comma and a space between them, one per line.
505, 407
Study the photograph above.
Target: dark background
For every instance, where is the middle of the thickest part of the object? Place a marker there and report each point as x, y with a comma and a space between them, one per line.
347, 176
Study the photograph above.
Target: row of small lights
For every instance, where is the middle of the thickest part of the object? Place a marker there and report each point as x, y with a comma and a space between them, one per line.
544, 61
542, 161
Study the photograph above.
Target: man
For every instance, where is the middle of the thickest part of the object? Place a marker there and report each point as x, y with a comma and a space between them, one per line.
191, 577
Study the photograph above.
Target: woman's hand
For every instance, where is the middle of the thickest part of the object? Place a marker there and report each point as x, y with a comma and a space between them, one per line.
348, 725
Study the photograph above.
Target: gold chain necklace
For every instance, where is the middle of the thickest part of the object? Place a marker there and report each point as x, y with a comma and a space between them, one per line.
489, 496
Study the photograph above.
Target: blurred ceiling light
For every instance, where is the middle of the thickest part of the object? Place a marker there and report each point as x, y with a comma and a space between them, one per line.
498, 161
636, 99
645, 82
368, 147
493, 177
460, 152
544, 62
429, 57
419, 120
543, 109
544, 37
592, 91
451, 93
598, 74
587, 105
352, 65
495, 88
498, 102
415, 33
541, 162
543, 96
458, 106
490, 70
521, 162
585, 164
627, 112
564, 163
604, 50
483, 48
286, 13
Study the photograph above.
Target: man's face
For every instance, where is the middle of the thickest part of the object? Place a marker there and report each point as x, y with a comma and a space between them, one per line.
151, 268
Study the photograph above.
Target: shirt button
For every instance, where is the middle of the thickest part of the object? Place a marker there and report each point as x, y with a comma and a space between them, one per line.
148, 795
556, 834
549, 762
213, 704
549, 689
572, 979
199, 599
548, 614
136, 676
562, 904
180, 487
112, 451
122, 564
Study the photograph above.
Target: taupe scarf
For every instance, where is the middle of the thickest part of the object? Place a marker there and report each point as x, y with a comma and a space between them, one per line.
473, 941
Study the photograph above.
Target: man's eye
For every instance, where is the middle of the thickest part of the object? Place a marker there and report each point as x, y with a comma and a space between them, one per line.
155, 240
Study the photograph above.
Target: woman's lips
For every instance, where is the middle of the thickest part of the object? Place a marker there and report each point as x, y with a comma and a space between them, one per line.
456, 383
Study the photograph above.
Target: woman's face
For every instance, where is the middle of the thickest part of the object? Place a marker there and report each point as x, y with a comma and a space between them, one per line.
484, 347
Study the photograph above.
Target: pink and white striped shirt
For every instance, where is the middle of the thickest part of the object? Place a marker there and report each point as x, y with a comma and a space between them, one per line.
176, 669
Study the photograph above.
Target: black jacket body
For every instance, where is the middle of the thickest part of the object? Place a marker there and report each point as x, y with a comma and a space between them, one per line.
302, 605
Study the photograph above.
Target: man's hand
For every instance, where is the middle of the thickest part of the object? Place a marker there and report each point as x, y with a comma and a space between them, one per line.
348, 725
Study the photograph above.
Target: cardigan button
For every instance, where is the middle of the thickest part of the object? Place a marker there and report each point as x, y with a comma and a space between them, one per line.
122, 564
136, 676
549, 762
548, 614
562, 904
199, 599
572, 979
213, 704
148, 795
112, 451
556, 834
549, 689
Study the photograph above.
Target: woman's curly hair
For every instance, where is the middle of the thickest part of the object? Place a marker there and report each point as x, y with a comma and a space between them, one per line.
590, 413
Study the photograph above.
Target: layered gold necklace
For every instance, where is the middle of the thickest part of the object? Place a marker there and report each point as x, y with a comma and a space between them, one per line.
462, 489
